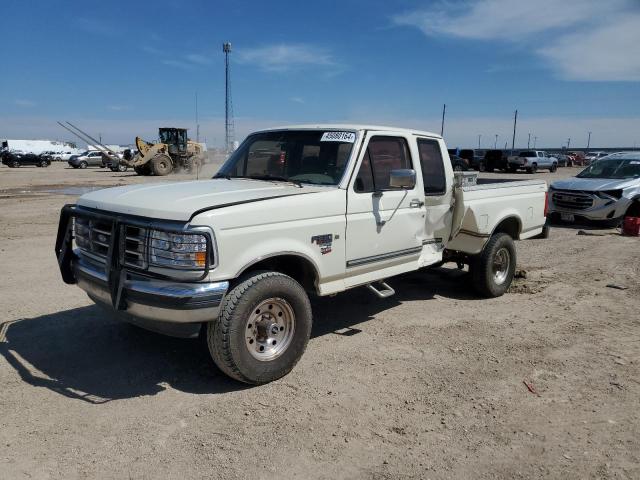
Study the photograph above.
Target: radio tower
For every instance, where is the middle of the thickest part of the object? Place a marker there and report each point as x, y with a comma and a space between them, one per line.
229, 133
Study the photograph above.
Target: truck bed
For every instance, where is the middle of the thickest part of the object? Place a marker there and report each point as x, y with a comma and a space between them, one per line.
495, 200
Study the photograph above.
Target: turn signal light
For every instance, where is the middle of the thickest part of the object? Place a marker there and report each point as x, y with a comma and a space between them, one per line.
201, 259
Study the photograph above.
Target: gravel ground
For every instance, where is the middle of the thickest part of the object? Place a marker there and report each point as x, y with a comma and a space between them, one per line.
431, 383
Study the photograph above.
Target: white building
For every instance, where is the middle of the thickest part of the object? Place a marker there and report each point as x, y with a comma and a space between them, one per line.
37, 146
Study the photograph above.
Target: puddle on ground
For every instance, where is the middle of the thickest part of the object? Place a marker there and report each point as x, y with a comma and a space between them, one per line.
72, 190
36, 191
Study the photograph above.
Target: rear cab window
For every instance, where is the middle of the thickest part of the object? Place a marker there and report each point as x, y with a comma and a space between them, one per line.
433, 174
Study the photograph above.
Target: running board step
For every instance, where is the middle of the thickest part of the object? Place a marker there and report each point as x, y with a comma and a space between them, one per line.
385, 292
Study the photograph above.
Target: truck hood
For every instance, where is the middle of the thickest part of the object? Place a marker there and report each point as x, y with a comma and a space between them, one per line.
594, 184
180, 200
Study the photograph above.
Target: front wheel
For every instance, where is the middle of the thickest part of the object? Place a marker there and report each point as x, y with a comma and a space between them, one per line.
43, 163
83, 165
492, 270
263, 328
161, 165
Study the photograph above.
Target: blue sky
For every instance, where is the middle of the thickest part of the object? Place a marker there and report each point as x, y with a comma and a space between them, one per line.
125, 68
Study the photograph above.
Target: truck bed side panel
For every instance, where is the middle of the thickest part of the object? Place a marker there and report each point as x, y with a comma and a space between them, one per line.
486, 206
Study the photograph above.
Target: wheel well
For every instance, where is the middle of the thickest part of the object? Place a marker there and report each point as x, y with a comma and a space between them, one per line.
299, 268
510, 226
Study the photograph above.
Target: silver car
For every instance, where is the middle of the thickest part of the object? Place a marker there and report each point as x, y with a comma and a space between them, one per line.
607, 190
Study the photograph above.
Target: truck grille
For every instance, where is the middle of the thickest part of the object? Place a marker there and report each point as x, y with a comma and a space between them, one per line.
572, 200
134, 253
129, 241
93, 237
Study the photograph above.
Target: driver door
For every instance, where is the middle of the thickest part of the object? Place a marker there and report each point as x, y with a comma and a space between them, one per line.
385, 225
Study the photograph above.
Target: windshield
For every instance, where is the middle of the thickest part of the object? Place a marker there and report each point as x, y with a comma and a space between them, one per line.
317, 157
612, 168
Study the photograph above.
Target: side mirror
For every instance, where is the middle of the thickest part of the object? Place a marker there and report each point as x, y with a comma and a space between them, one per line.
403, 178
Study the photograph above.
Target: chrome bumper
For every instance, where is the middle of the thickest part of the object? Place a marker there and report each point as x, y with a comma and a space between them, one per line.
152, 299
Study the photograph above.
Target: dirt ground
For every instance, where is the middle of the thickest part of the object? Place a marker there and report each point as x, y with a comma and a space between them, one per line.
431, 383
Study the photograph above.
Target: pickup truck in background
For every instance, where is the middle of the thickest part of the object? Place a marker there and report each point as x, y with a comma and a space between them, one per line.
532, 161
295, 211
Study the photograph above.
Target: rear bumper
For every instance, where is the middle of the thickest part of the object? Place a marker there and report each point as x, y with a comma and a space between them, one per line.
152, 299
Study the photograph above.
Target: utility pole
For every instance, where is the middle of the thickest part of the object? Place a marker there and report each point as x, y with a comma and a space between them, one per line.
588, 141
535, 140
197, 121
529, 141
568, 142
513, 139
444, 109
100, 137
479, 137
495, 144
228, 106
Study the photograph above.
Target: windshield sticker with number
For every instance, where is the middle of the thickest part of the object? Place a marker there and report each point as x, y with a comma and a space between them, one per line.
348, 137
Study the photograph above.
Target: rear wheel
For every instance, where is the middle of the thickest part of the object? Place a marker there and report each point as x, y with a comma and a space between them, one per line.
83, 165
43, 163
15, 164
161, 165
492, 270
263, 328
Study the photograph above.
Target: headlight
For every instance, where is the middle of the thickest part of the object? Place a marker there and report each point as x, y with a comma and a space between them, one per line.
178, 250
610, 193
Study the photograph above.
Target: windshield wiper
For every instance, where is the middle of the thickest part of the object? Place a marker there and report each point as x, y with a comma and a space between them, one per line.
274, 178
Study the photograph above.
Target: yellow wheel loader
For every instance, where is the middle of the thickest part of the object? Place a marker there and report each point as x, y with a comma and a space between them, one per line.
173, 152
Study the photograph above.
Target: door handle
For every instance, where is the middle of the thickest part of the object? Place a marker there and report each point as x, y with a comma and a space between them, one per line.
415, 203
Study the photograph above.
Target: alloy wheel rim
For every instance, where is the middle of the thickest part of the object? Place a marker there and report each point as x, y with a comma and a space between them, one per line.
269, 329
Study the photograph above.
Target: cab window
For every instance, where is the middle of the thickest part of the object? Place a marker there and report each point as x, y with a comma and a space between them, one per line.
383, 154
433, 175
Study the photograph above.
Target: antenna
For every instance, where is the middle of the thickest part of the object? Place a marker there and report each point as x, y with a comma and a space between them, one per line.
228, 105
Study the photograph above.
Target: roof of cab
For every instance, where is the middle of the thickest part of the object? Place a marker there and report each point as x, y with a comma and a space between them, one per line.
351, 126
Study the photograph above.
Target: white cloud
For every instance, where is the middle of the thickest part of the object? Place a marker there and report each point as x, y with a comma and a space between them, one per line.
608, 52
297, 99
590, 40
285, 57
21, 102
118, 108
198, 58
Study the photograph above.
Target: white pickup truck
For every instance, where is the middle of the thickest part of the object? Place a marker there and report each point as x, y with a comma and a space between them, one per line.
293, 212
532, 161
